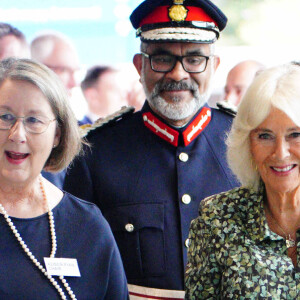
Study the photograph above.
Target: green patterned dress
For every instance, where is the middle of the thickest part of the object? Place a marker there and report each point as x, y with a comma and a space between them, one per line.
233, 254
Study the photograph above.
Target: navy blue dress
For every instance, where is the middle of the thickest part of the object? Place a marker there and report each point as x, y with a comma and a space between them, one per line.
82, 233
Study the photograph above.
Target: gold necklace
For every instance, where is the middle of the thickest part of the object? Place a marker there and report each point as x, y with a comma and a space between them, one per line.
288, 240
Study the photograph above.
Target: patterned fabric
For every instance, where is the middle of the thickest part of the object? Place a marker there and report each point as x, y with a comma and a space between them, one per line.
233, 254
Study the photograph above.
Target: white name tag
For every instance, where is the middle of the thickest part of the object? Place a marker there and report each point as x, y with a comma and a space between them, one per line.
62, 266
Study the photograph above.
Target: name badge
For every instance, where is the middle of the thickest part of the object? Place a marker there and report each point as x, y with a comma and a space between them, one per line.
62, 266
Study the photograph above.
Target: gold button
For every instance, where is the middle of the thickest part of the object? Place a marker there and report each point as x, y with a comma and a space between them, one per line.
186, 199
129, 227
187, 242
184, 157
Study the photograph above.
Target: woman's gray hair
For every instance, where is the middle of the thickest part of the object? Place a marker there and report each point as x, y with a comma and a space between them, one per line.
277, 87
49, 84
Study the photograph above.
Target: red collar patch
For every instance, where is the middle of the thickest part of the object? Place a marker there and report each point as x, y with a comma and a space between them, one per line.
171, 135
161, 129
197, 126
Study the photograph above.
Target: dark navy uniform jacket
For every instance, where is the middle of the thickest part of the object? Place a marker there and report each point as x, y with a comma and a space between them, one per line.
149, 191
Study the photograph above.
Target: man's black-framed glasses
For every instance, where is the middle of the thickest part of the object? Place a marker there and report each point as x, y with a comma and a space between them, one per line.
32, 124
165, 63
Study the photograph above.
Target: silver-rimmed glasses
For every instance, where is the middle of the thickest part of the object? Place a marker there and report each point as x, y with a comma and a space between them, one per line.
32, 124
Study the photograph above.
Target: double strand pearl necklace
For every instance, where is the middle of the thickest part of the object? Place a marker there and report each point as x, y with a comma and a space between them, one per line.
53, 250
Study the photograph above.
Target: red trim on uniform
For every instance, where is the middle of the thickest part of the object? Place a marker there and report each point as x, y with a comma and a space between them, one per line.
144, 296
171, 135
161, 129
197, 126
161, 15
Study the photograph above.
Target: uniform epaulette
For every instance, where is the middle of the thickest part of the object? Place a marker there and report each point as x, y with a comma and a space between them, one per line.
86, 128
227, 108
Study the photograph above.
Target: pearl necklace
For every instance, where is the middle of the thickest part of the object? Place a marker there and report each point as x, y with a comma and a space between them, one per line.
53, 250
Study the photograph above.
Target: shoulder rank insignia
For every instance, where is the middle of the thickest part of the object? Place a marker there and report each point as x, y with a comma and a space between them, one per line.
86, 128
227, 107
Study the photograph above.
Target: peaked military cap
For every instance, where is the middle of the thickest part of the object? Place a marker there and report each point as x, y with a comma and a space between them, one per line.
197, 21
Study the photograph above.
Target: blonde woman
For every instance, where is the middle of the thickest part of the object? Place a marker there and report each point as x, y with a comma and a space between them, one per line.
245, 241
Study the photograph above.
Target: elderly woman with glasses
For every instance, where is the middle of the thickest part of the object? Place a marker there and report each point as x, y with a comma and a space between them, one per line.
52, 245
245, 242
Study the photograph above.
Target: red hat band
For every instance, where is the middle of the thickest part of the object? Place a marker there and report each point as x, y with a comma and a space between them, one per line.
163, 14
178, 23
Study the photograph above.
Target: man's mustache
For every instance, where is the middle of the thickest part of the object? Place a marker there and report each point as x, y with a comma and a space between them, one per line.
176, 86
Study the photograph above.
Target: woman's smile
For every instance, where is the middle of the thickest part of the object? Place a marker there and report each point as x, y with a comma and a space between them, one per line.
16, 158
275, 146
284, 170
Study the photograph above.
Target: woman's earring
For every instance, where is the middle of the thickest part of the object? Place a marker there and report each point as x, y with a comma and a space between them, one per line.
54, 146
253, 165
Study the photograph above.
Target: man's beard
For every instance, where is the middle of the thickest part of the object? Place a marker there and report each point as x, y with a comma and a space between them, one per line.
176, 110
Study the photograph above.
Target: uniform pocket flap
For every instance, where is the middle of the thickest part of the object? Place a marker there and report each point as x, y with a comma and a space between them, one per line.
135, 217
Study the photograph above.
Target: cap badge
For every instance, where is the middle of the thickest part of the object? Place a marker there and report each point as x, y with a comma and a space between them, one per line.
178, 12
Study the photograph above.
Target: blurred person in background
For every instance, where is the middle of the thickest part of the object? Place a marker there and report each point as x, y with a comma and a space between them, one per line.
239, 79
12, 42
104, 92
136, 95
57, 52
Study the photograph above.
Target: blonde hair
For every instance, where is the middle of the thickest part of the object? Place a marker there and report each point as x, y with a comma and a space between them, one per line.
274, 87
